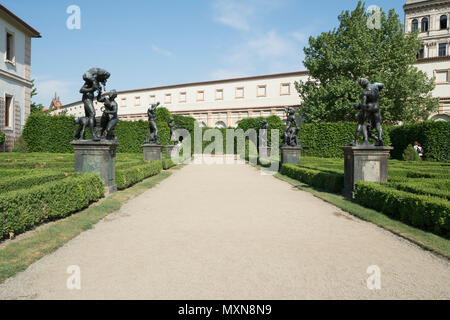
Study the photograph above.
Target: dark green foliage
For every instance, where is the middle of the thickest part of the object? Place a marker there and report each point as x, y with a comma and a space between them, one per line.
423, 187
434, 138
421, 211
338, 58
323, 139
410, 154
326, 180
2, 138
23, 209
26, 181
45, 133
128, 177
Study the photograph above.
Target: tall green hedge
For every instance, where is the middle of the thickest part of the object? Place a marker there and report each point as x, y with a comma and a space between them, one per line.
2, 138
323, 139
45, 133
433, 136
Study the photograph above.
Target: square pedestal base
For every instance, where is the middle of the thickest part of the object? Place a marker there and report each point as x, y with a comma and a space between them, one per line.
265, 152
364, 163
172, 151
290, 155
152, 152
97, 157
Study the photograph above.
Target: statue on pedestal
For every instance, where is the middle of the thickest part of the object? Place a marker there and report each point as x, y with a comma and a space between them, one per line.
152, 136
264, 125
94, 78
110, 117
369, 116
171, 126
290, 136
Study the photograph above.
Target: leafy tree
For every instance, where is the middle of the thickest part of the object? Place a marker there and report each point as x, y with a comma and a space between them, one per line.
338, 58
34, 107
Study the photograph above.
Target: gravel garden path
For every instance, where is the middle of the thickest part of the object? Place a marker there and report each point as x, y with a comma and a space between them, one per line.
229, 232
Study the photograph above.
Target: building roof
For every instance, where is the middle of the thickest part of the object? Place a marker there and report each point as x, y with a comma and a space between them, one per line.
296, 73
33, 32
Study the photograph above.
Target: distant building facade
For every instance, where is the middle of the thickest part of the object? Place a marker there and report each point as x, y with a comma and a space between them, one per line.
219, 103
432, 19
223, 103
15, 74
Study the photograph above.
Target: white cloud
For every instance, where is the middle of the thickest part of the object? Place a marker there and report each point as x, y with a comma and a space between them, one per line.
300, 36
268, 52
160, 51
234, 14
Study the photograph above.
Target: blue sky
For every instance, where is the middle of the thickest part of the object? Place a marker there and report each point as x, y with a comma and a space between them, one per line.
146, 43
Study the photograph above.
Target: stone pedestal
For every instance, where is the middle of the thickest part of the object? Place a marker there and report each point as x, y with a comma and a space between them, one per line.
170, 149
97, 157
290, 155
364, 163
152, 152
265, 152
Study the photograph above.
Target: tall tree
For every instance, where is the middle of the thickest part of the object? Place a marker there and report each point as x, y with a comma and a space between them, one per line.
34, 107
363, 48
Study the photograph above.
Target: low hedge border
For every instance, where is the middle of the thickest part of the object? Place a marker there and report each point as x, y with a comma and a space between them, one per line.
26, 181
418, 188
131, 176
23, 209
421, 211
326, 180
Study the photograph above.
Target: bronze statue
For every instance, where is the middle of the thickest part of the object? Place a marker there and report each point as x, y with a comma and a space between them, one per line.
81, 131
110, 117
264, 125
171, 126
152, 136
290, 136
369, 116
93, 79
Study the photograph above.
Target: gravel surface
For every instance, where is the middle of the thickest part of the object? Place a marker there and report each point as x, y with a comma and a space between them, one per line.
228, 232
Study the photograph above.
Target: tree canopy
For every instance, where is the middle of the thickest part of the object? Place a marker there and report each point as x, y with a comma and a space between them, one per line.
363, 48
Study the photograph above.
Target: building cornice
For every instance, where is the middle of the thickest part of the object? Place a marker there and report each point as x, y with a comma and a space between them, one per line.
22, 24
11, 76
433, 59
425, 4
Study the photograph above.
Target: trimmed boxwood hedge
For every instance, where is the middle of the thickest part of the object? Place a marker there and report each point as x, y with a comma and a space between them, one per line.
326, 180
128, 177
23, 209
421, 211
53, 134
433, 136
8, 184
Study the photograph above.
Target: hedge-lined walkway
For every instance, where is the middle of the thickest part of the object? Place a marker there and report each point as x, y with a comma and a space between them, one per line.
227, 232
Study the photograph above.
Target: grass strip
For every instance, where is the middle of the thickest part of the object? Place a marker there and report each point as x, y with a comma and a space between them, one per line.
21, 253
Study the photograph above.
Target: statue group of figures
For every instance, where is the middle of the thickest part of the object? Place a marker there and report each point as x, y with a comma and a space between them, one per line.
95, 82
290, 135
369, 117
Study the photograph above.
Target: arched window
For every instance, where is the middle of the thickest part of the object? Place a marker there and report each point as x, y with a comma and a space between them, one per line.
443, 22
221, 124
415, 25
425, 24
202, 124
